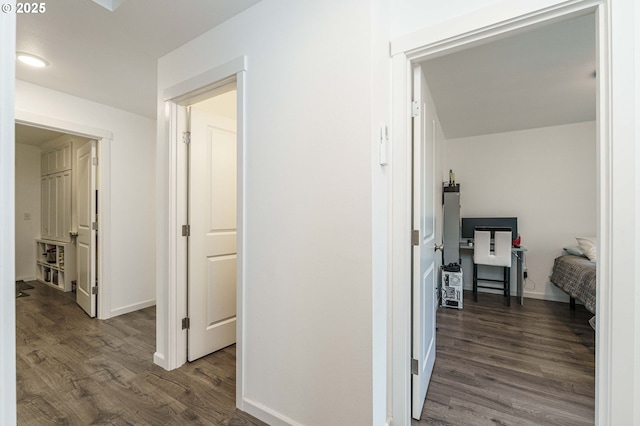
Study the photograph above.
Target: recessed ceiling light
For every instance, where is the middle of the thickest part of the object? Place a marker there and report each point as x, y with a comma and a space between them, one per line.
32, 60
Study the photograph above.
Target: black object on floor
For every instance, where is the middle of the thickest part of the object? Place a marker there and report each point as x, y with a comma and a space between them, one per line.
21, 285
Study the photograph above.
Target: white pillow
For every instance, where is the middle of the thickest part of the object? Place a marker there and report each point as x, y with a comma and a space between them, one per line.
589, 247
574, 250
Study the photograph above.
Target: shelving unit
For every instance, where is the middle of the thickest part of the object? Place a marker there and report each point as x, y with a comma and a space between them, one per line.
55, 263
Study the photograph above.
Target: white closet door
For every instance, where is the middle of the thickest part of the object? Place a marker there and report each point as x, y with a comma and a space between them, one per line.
212, 243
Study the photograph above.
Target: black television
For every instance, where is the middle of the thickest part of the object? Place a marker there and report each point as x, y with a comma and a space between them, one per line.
469, 224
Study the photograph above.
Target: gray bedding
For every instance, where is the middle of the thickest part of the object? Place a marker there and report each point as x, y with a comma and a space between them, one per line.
576, 276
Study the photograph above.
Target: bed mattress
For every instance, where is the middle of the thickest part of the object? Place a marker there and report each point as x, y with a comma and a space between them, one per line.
576, 276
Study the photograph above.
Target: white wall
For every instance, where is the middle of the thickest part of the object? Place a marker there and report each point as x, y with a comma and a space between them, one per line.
27, 202
308, 299
7, 220
131, 274
411, 15
545, 177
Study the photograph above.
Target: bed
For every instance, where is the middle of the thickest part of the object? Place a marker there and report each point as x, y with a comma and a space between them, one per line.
576, 276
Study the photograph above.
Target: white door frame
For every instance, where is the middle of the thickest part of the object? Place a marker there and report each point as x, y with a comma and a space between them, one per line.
441, 40
103, 139
175, 100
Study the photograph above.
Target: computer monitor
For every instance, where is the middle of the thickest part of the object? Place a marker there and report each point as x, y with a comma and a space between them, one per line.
469, 224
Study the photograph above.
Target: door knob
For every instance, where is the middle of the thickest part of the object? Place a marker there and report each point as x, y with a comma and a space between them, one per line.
437, 247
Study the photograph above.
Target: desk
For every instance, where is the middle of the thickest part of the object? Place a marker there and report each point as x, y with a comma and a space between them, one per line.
518, 252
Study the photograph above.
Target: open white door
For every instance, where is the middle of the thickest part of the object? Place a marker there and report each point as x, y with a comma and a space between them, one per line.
212, 240
424, 273
86, 241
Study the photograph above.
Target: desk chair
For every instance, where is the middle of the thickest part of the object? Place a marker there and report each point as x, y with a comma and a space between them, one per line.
501, 256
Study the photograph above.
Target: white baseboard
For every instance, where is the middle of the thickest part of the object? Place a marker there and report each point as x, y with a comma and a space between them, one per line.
266, 414
130, 308
158, 359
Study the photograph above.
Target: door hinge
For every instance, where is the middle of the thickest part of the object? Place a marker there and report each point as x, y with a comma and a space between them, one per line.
186, 230
186, 137
94, 290
415, 237
94, 226
414, 366
186, 323
94, 161
415, 109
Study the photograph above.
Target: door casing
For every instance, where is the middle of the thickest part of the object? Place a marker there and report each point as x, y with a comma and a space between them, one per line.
176, 99
103, 177
461, 33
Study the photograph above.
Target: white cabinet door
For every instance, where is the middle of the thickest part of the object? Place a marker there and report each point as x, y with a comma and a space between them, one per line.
212, 243
45, 198
44, 164
51, 162
63, 205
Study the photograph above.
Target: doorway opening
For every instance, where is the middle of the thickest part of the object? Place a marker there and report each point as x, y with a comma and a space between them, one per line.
224, 227
212, 215
57, 210
405, 57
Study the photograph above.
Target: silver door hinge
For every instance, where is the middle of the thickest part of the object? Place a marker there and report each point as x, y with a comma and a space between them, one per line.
415, 109
186, 230
414, 366
186, 137
94, 290
94, 161
186, 323
415, 237
94, 226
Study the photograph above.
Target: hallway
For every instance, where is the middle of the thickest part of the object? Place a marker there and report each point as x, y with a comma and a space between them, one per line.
75, 370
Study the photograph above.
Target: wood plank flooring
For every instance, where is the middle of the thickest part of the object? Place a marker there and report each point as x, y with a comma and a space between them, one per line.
73, 370
524, 365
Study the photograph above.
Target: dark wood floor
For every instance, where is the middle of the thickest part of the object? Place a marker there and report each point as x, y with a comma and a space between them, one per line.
73, 370
523, 365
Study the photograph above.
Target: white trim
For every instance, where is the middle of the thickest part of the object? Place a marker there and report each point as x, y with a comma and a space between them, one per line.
481, 26
202, 83
7, 219
50, 123
158, 359
176, 97
103, 137
604, 272
267, 414
132, 308
241, 236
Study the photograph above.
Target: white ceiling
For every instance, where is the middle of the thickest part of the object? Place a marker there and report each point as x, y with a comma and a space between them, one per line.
111, 57
34, 136
540, 78
535, 79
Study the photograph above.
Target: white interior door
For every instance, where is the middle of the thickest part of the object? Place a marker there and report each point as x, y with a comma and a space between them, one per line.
212, 240
424, 274
86, 241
